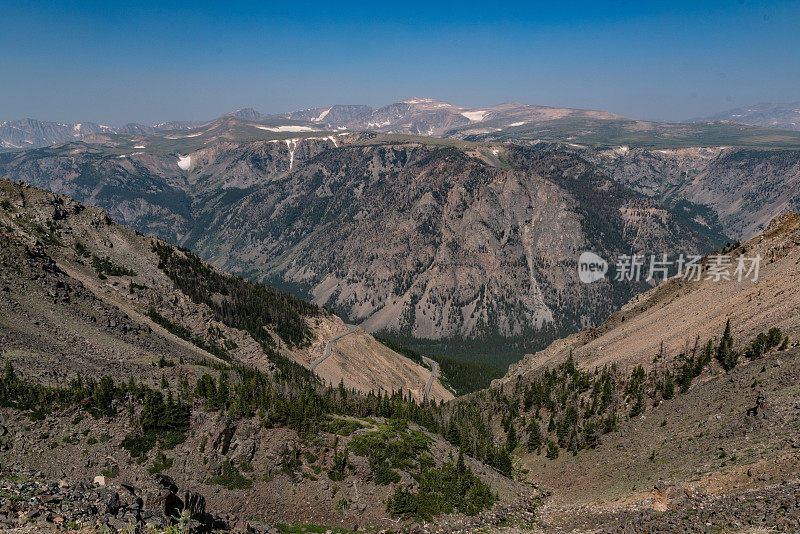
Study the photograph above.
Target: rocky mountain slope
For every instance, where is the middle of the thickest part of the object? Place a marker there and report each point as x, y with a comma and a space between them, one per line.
714, 450
429, 117
334, 116
30, 133
734, 163
126, 359
533, 123
743, 188
494, 231
737, 170
98, 321
767, 115
78, 287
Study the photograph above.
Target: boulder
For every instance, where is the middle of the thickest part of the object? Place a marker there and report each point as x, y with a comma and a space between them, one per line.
667, 495
108, 501
194, 504
165, 482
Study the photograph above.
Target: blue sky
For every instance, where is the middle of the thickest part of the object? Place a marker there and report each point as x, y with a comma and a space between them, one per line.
155, 61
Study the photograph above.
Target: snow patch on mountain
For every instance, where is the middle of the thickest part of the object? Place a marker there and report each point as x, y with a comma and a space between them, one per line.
291, 144
287, 128
474, 116
183, 136
322, 115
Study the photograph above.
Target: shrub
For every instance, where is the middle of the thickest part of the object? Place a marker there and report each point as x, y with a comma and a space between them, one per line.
230, 478
160, 463
111, 472
104, 266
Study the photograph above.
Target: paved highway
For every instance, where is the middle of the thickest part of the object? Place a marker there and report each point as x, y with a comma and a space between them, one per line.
434, 374
352, 328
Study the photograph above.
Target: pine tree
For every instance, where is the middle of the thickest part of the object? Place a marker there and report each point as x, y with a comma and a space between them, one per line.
504, 463
668, 391
552, 450
726, 356
708, 353
8, 373
453, 435
511, 438
534, 438
638, 405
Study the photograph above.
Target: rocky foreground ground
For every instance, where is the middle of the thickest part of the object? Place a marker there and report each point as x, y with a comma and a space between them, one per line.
31, 499
31, 502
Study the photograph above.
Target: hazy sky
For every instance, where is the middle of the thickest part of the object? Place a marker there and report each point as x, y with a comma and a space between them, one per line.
156, 61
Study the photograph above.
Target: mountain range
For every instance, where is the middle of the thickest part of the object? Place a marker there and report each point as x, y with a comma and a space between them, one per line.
421, 237
507, 121
767, 115
277, 354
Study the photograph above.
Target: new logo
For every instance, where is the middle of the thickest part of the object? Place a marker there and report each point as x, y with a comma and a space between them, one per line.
591, 267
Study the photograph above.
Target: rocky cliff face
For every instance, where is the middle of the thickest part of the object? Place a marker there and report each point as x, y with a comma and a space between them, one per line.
744, 188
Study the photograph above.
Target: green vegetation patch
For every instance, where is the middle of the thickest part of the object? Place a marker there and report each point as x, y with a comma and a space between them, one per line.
236, 302
161, 422
96, 397
184, 333
462, 376
341, 427
392, 446
570, 408
450, 488
230, 478
106, 267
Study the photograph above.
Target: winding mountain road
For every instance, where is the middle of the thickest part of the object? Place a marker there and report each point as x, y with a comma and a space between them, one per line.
352, 328
434, 374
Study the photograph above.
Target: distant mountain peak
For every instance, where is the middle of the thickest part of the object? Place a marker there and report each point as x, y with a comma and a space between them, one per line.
246, 114
423, 100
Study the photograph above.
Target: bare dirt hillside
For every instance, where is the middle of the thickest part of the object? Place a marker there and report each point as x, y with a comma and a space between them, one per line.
361, 362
